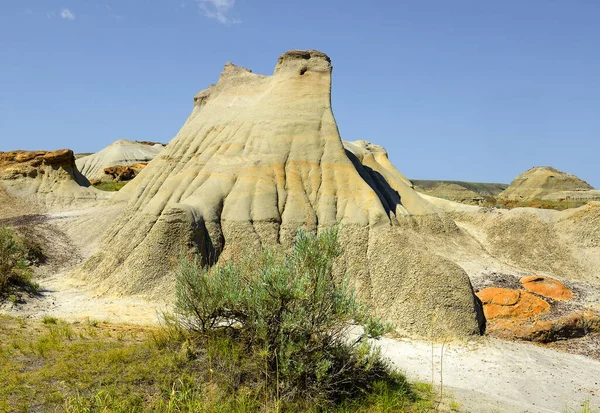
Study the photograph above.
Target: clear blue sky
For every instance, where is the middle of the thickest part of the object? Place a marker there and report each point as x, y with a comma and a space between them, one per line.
454, 89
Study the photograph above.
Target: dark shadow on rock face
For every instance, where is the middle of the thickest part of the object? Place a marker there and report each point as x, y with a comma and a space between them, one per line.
390, 198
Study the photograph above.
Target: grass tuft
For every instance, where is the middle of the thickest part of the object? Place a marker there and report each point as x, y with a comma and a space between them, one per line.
15, 267
109, 186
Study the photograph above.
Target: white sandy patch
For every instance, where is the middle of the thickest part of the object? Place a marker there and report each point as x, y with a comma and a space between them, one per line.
491, 375
69, 300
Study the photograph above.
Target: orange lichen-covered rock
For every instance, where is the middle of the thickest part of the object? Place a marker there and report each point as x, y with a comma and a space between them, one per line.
120, 173
573, 325
547, 287
506, 303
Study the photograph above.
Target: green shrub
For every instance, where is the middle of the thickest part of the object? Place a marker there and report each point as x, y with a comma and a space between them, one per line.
15, 270
289, 311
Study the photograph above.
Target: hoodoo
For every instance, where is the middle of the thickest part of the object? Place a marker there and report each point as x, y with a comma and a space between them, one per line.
259, 158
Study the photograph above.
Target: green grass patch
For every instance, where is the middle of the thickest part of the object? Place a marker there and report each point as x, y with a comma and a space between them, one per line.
101, 367
110, 186
15, 266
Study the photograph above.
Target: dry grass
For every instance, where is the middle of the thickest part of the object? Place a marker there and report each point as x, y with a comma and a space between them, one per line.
110, 186
533, 203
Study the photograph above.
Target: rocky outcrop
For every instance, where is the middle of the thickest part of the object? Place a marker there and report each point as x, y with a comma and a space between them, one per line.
30, 164
540, 182
261, 157
120, 153
45, 177
122, 173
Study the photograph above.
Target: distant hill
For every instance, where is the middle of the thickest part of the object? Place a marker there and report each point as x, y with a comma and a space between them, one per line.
543, 181
459, 191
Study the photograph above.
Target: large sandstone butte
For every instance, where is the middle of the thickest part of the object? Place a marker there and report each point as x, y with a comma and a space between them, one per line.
541, 181
119, 153
261, 157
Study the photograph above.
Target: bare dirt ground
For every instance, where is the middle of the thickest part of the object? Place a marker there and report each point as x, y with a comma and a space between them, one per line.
482, 375
491, 375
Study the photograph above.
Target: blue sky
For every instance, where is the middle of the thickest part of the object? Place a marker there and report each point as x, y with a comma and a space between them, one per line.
454, 89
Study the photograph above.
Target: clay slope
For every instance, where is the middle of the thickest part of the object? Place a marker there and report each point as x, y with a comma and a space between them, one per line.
38, 179
119, 153
260, 157
541, 181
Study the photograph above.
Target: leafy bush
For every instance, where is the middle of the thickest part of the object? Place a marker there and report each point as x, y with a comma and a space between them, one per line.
289, 311
15, 272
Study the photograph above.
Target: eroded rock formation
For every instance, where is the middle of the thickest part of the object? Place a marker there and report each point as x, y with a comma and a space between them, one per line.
258, 158
38, 180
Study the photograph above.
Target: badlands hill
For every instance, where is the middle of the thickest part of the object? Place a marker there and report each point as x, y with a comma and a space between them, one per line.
259, 158
119, 153
542, 181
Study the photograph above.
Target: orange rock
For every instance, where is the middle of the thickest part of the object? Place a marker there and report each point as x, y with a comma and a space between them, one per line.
576, 324
547, 287
120, 173
500, 296
505, 303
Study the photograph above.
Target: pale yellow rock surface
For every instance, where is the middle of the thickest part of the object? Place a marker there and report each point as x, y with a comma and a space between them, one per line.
119, 153
260, 157
541, 181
